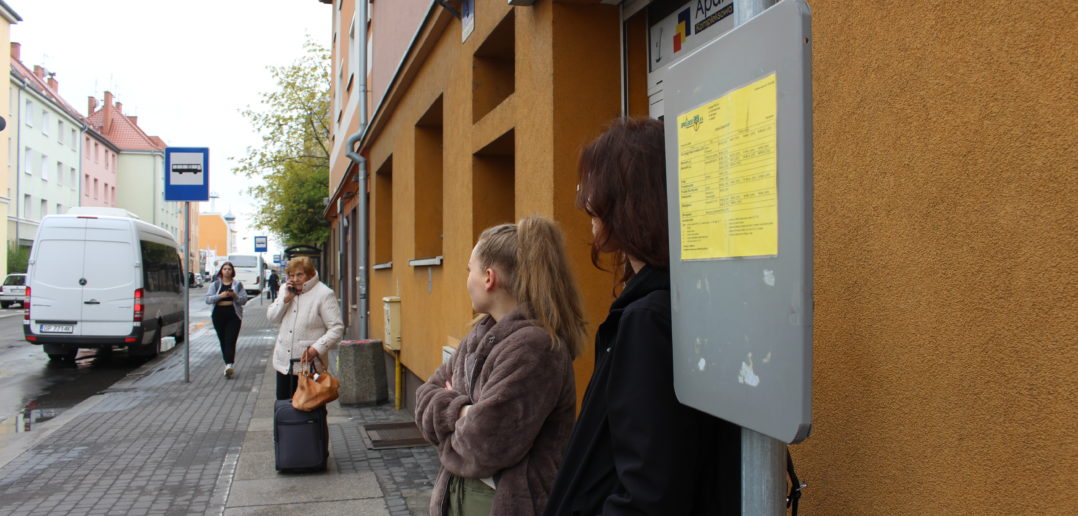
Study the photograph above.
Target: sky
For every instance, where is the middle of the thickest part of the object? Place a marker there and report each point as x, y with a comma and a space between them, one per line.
186, 69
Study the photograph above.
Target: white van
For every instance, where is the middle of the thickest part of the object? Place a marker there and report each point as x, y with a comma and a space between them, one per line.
250, 270
100, 277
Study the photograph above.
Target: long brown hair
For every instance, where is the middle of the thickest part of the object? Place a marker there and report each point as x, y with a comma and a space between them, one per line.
623, 184
531, 257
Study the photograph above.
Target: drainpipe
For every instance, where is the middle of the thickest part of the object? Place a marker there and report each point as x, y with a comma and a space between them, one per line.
18, 169
361, 172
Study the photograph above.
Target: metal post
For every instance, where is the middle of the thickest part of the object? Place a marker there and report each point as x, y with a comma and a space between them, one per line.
187, 292
763, 459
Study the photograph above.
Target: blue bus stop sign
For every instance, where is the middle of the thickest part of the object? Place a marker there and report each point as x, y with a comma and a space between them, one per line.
261, 244
187, 174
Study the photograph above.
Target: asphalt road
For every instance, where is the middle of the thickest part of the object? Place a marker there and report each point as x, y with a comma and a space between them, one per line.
34, 389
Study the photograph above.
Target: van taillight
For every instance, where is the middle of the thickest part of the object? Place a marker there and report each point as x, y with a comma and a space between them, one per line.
138, 305
26, 307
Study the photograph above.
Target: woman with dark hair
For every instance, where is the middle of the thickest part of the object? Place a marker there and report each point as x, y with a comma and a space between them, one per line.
227, 296
635, 448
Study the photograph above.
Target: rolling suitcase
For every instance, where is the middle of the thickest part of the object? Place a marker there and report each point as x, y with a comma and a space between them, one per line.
300, 439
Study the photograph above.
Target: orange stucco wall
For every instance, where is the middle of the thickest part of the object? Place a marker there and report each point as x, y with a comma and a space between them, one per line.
212, 233
945, 205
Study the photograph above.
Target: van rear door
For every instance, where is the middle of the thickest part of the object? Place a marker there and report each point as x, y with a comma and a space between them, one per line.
54, 274
111, 278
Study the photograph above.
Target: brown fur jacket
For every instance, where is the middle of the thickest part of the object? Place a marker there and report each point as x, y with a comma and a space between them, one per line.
523, 404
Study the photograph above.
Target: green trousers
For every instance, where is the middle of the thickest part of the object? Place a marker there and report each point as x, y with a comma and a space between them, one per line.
469, 497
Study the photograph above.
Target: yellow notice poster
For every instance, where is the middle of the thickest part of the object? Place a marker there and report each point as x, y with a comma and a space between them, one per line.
726, 170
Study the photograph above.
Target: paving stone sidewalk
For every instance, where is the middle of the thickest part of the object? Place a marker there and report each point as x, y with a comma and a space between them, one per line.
153, 444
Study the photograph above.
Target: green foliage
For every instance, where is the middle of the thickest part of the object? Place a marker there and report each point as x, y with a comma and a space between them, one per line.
18, 257
293, 159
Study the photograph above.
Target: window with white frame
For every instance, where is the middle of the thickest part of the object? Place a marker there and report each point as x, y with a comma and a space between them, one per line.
44, 208
59, 173
59, 208
26, 206
28, 113
74, 181
44, 122
86, 185
105, 190
44, 167
60, 131
95, 188
73, 138
28, 160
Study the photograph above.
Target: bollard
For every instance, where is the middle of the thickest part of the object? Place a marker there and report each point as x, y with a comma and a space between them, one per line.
362, 372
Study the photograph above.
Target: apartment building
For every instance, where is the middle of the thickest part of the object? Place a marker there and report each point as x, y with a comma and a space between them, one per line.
44, 148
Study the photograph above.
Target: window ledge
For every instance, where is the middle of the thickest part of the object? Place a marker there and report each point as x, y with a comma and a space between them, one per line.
382, 266
426, 262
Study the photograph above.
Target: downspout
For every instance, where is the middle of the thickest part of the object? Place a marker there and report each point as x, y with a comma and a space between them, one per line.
361, 172
18, 168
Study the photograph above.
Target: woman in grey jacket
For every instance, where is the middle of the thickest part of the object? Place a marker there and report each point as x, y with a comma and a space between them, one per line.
227, 296
501, 410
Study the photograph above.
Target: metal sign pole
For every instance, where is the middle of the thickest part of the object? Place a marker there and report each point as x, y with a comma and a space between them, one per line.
187, 292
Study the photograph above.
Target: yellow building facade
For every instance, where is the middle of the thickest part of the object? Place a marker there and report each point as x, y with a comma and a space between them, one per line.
944, 219
8, 17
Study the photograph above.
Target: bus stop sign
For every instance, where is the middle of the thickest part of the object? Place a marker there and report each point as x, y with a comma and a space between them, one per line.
187, 174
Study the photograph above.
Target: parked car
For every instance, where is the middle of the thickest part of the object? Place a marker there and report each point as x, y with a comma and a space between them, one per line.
194, 280
13, 290
103, 280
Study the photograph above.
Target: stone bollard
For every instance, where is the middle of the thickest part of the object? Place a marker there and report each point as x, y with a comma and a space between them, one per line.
362, 372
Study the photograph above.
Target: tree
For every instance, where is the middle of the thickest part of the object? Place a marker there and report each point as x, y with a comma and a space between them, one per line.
293, 159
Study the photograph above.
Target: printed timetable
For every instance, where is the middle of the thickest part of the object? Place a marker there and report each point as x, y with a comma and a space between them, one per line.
728, 198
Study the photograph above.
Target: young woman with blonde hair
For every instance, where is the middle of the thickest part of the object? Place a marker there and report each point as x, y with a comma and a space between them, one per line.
501, 410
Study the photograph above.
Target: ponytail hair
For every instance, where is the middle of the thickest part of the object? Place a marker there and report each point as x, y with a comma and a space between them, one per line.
532, 259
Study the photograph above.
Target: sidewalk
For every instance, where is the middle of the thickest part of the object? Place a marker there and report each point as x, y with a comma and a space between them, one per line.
153, 444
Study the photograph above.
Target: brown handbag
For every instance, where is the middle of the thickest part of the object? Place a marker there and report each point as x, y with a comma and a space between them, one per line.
315, 388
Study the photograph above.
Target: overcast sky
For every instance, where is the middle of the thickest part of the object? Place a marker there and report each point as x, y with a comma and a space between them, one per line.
186, 69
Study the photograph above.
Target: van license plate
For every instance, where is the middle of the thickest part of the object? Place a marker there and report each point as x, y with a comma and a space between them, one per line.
57, 328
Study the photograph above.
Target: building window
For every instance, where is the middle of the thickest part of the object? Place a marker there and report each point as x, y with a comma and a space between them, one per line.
428, 180
44, 122
73, 138
28, 160
44, 167
106, 192
59, 208
86, 185
97, 152
74, 181
44, 208
60, 131
59, 173
114, 195
95, 188
26, 206
383, 212
28, 113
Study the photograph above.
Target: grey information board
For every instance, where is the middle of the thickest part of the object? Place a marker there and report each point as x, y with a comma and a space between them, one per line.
739, 161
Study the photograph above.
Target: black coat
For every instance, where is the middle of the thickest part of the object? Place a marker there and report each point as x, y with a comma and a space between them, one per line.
636, 449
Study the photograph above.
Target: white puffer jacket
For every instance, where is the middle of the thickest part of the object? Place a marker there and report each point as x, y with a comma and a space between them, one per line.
312, 318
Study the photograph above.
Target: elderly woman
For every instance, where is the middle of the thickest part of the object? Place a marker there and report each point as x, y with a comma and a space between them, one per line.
310, 321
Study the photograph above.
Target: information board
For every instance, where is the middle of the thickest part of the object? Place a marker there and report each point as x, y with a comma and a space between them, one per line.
739, 185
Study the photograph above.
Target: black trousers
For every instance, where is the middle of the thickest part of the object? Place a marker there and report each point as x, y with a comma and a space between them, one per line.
286, 386
227, 324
